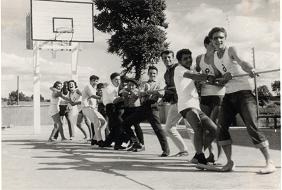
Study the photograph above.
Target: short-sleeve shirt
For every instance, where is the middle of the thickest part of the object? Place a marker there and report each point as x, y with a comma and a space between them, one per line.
86, 93
110, 93
186, 90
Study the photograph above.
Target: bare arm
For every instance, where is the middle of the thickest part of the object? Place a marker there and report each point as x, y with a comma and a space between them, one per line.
247, 67
197, 67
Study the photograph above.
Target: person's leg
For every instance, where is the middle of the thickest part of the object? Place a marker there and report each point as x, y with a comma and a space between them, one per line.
92, 117
226, 116
57, 126
210, 129
170, 128
152, 115
137, 128
248, 113
210, 108
70, 126
78, 124
103, 124
133, 119
110, 113
88, 124
194, 120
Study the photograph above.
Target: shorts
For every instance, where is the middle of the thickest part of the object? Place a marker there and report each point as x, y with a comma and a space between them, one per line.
211, 101
63, 110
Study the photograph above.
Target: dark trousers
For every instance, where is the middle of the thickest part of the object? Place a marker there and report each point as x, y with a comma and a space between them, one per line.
138, 131
114, 122
143, 113
244, 103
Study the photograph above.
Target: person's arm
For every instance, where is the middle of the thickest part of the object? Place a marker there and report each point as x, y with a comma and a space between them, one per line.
198, 77
198, 60
53, 89
247, 67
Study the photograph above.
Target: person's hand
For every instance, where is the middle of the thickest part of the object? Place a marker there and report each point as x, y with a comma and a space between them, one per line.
253, 73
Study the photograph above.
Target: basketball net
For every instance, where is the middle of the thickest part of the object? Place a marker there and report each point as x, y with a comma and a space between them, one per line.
62, 45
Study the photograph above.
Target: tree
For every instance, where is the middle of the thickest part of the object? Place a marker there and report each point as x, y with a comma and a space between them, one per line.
263, 95
13, 96
276, 87
41, 98
137, 31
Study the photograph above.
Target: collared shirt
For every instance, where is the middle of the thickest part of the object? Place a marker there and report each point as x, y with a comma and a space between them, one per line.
170, 95
132, 99
110, 93
86, 93
151, 85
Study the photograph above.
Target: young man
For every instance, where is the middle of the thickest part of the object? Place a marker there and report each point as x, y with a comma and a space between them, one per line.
130, 94
111, 100
148, 111
211, 95
88, 106
189, 105
170, 96
238, 99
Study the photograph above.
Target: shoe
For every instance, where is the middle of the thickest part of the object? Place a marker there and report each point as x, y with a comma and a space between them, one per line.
93, 142
51, 140
201, 158
119, 147
101, 143
269, 168
164, 154
139, 149
64, 140
180, 154
230, 166
211, 158
194, 159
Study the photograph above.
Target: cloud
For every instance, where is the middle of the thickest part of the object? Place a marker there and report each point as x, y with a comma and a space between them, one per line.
189, 23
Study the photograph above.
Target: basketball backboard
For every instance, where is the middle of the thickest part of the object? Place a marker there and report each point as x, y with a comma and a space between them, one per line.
57, 20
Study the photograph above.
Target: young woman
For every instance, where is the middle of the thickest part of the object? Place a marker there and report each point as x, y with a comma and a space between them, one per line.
75, 108
56, 97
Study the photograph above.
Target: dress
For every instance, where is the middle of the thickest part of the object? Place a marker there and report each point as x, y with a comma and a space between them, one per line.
54, 104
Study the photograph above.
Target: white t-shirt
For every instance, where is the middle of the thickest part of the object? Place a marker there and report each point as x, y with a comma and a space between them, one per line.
86, 93
186, 90
109, 94
226, 64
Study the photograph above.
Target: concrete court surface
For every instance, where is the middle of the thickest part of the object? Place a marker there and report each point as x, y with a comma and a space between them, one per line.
29, 162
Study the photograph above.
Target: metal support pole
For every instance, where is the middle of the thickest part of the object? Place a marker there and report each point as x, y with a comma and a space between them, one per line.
75, 51
36, 89
255, 82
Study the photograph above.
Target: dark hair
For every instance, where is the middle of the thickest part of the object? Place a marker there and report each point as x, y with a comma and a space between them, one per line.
93, 77
167, 52
207, 40
153, 68
73, 82
181, 52
133, 81
56, 84
100, 85
217, 29
114, 75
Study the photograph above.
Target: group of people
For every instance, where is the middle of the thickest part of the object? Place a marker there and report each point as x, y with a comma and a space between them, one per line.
201, 95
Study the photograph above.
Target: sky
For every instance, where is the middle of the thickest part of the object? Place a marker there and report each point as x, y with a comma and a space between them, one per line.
249, 23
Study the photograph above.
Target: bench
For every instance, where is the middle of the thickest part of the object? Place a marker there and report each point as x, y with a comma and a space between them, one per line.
270, 112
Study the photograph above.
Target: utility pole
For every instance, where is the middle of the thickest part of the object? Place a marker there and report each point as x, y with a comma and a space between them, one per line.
18, 87
255, 81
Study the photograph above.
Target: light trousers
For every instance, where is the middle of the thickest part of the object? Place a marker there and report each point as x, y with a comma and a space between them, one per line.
172, 120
